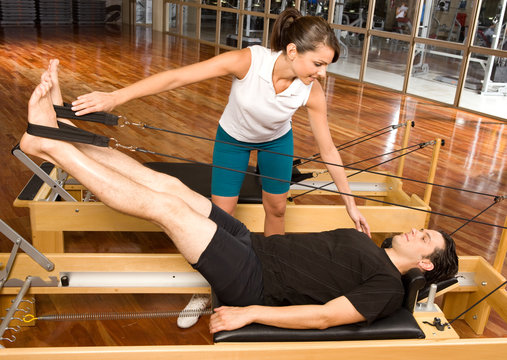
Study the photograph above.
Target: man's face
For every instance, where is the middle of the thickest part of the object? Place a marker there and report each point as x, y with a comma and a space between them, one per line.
418, 244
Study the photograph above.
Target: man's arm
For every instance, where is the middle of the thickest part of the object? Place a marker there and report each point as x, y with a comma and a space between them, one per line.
338, 311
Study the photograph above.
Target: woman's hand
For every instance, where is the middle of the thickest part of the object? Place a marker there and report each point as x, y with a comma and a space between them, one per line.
93, 102
359, 220
229, 318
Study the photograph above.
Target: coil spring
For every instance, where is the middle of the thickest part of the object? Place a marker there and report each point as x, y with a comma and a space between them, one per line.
124, 315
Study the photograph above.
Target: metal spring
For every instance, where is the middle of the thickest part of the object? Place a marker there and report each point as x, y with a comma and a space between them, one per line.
120, 316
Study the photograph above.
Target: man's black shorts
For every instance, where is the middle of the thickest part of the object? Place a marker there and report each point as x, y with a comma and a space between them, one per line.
229, 263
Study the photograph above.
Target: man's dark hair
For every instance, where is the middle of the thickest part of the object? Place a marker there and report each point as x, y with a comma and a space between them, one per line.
445, 261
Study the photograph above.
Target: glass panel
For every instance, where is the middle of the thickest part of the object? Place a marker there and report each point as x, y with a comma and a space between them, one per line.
229, 29
394, 15
190, 14
253, 27
234, 4
172, 18
351, 48
144, 12
277, 6
435, 73
486, 82
387, 61
491, 30
271, 23
210, 2
208, 24
446, 20
254, 5
351, 12
315, 8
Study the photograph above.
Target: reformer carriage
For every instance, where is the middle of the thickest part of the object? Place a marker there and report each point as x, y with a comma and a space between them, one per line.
50, 218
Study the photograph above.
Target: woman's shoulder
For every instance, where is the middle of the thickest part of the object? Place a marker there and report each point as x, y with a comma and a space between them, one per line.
261, 50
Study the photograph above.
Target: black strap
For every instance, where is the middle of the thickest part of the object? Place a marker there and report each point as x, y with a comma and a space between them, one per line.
67, 132
66, 112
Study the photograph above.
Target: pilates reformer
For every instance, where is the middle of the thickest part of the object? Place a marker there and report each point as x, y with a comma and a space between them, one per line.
424, 336
50, 218
116, 264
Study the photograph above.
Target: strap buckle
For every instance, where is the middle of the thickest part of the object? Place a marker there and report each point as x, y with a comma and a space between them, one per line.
115, 144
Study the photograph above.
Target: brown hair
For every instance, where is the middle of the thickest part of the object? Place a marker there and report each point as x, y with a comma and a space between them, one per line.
306, 32
445, 261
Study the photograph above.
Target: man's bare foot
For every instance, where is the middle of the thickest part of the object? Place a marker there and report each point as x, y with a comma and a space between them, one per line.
40, 112
56, 93
51, 75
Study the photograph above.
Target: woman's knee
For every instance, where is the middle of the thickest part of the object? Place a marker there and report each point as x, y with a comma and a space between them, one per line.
274, 205
226, 203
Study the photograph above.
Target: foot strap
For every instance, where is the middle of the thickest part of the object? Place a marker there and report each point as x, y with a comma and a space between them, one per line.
68, 132
66, 112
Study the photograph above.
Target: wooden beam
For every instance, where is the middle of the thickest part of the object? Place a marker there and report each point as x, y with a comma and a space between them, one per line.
95, 216
465, 349
93, 263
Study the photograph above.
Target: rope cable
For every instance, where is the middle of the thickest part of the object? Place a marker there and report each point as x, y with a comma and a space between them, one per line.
306, 158
348, 144
311, 186
467, 222
478, 302
363, 170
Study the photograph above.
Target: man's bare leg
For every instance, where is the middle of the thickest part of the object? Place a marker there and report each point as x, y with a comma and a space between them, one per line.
124, 164
130, 168
190, 231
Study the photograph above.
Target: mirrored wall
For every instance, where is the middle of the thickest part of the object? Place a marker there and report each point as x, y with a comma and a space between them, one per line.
450, 51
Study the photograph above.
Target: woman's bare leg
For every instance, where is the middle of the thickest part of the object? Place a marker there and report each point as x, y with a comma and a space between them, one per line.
190, 231
274, 207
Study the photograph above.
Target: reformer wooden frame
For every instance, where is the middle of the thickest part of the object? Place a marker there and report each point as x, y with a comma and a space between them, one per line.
49, 219
436, 344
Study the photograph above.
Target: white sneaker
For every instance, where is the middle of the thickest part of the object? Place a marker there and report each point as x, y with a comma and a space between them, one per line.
198, 303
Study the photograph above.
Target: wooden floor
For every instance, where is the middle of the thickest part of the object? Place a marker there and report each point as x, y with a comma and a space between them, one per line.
473, 158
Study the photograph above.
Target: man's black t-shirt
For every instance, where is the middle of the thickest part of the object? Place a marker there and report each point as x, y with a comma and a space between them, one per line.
318, 267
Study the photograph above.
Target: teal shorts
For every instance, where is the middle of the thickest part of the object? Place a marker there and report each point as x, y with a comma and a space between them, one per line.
228, 183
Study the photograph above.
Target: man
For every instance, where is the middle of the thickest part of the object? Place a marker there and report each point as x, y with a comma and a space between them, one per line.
314, 280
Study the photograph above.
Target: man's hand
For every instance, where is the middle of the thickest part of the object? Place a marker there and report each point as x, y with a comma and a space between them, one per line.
93, 102
229, 318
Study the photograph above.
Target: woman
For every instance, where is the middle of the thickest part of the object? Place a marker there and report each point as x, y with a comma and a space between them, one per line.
269, 85
302, 47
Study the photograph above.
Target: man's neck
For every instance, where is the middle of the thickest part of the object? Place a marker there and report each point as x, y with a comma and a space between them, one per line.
397, 261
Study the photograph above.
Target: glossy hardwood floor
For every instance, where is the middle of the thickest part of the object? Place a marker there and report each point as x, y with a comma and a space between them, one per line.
95, 58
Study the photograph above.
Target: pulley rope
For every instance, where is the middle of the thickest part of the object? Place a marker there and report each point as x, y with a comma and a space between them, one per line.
359, 172
315, 187
477, 303
109, 119
353, 142
303, 158
468, 222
